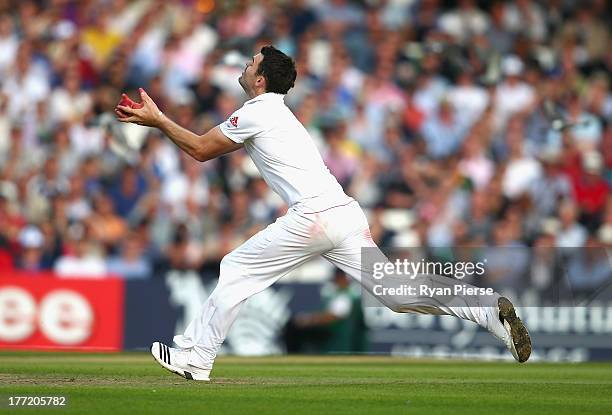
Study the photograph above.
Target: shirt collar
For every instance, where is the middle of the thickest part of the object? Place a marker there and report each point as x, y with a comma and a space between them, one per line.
266, 96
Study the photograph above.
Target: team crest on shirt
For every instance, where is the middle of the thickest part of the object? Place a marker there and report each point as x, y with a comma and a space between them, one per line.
234, 121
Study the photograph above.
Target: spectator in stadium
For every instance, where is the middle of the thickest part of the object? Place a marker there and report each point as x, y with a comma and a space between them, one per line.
83, 257
131, 262
551, 187
590, 188
443, 131
31, 241
571, 234
340, 323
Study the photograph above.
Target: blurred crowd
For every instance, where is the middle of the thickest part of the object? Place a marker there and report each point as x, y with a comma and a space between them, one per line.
454, 123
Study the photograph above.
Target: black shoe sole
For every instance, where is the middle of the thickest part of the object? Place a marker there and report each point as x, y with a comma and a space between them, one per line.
520, 335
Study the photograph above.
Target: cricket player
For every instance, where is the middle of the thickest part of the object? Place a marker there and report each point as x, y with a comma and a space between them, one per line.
321, 219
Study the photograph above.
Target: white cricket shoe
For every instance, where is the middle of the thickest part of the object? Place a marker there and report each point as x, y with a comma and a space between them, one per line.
511, 330
177, 361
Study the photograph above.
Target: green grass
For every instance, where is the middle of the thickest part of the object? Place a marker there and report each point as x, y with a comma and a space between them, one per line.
132, 383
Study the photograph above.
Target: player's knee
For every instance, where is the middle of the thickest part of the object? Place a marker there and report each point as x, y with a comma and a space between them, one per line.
229, 261
226, 260
229, 268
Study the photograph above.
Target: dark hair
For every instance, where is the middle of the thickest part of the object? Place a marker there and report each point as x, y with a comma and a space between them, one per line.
278, 69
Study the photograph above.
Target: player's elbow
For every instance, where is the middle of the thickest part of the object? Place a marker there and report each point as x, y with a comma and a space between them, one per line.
197, 157
201, 157
201, 154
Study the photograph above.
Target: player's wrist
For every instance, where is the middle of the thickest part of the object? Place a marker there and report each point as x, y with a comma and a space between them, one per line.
159, 119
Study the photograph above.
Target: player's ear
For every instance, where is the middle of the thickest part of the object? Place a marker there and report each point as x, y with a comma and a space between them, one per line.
260, 81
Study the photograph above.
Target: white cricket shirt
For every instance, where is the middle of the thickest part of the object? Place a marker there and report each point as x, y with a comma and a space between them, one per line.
284, 153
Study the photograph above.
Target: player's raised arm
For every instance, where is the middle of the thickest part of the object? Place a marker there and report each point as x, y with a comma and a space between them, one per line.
201, 147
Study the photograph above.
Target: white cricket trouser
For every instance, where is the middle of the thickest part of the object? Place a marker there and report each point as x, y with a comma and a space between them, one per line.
338, 234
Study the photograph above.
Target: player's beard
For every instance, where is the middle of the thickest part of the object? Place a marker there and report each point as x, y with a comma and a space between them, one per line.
243, 83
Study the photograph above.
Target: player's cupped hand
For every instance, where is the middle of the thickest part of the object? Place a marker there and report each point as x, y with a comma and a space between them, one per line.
145, 113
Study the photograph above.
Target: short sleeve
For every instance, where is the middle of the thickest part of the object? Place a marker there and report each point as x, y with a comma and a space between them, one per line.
241, 125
